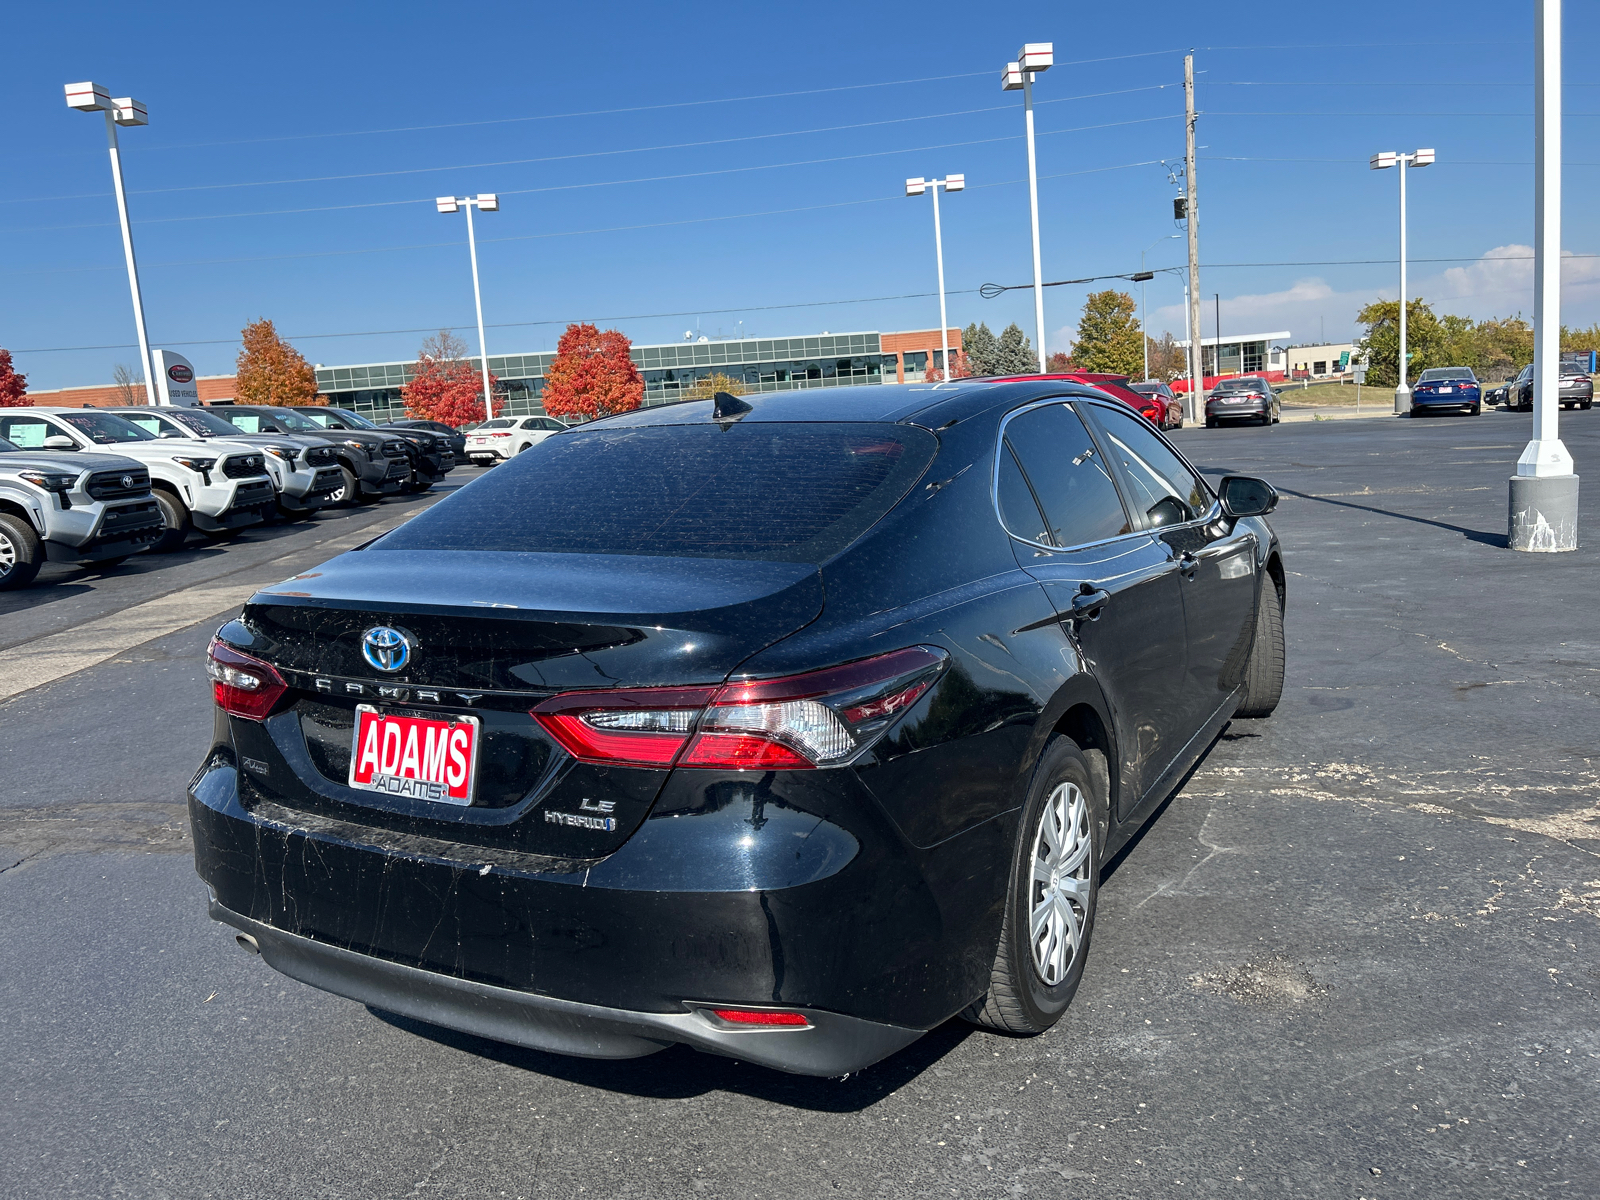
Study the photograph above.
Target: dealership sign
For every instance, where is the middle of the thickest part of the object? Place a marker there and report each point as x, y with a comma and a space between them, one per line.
175, 383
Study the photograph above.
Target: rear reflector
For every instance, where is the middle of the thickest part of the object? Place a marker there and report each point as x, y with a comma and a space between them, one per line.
739, 1016
819, 719
243, 686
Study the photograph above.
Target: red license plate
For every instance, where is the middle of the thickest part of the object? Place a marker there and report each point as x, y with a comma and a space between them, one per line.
420, 758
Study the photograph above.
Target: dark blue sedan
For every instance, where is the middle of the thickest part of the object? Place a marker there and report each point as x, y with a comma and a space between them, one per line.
1447, 389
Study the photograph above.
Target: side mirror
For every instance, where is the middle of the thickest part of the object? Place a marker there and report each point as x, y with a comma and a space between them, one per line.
1167, 511
58, 441
1246, 496
170, 433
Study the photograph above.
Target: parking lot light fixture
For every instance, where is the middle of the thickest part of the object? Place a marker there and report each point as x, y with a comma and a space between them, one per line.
1544, 492
127, 112
917, 187
1033, 58
1382, 161
483, 202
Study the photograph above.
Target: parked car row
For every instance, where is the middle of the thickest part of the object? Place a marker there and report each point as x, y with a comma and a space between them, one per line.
92, 486
1577, 389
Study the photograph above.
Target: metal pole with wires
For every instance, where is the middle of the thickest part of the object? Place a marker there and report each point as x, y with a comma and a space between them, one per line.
916, 187
1032, 59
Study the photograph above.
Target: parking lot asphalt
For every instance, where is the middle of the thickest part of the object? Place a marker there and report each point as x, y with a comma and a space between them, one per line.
1354, 956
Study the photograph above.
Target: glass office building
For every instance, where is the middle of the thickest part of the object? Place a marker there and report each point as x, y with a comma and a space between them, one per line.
762, 364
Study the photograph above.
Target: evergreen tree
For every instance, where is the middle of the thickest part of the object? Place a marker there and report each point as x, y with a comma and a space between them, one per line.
980, 348
1109, 338
1014, 353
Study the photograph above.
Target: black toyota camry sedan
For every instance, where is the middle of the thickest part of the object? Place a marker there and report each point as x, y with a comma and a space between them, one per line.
785, 727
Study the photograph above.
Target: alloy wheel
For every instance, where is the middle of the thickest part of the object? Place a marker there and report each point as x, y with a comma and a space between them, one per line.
8, 555
1058, 896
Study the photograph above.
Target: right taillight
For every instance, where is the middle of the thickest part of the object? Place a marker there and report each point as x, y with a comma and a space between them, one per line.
818, 719
243, 686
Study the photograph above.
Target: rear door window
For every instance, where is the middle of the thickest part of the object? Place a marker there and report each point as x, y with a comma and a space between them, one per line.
773, 491
1062, 466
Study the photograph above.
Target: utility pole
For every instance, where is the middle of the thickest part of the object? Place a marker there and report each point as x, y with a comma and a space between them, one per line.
1544, 491
1192, 213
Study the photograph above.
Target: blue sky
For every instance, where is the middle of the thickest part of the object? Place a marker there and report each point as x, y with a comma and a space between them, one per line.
719, 161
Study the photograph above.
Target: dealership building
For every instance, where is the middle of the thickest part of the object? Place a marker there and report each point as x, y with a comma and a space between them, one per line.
761, 364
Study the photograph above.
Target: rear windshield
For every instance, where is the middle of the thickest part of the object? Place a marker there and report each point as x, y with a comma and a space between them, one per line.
766, 491
1434, 374
1241, 385
497, 423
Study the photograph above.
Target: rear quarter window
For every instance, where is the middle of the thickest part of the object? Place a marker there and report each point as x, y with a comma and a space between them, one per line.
774, 491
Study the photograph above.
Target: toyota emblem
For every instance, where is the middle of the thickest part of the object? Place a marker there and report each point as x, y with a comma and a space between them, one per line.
385, 648
127, 481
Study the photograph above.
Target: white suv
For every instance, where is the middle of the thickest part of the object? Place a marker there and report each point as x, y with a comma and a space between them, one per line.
215, 486
505, 437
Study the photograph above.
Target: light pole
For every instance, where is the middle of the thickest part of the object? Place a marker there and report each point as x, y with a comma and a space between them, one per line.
484, 202
1018, 76
91, 97
915, 187
1145, 329
1380, 162
1544, 491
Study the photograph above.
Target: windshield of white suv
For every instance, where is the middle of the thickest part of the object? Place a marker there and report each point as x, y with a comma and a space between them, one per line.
204, 423
106, 429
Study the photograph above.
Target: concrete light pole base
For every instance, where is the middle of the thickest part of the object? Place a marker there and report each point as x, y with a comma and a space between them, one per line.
1544, 513
1402, 401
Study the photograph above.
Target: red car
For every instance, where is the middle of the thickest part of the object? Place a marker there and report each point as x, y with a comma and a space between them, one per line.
1154, 409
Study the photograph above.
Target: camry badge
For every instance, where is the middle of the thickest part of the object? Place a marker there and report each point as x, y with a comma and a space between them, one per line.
385, 648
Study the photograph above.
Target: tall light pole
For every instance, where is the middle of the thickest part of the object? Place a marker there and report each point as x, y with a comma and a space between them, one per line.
1018, 76
91, 97
1381, 162
1142, 326
916, 187
484, 202
1544, 491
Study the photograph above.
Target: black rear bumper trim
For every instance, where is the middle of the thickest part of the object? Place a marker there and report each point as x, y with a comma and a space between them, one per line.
832, 1045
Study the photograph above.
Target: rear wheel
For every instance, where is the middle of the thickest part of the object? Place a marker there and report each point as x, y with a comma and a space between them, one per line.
1049, 913
1263, 679
21, 553
175, 516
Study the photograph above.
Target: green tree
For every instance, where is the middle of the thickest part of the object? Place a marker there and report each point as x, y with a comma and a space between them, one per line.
981, 349
1426, 342
1505, 346
1014, 353
707, 386
1109, 336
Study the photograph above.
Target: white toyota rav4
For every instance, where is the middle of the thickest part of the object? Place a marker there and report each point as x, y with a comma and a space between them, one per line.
215, 486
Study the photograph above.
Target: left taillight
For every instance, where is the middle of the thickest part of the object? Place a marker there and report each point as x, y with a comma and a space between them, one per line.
243, 686
818, 719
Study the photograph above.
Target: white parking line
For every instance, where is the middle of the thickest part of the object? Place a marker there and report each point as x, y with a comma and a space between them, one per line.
47, 659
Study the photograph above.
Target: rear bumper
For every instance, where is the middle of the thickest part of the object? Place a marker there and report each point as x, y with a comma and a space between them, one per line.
1235, 412
734, 900
831, 1045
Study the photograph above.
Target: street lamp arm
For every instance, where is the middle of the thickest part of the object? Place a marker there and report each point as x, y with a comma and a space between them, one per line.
990, 290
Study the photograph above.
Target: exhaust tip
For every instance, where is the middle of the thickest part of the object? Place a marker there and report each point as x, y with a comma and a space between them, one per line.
247, 943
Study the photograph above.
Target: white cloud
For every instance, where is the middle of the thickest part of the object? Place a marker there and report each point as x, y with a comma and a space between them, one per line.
1497, 284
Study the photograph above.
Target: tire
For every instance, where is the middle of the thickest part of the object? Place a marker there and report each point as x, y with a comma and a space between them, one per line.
1211, 422
21, 553
1022, 998
417, 486
350, 489
523, 447
175, 516
1263, 677
1586, 405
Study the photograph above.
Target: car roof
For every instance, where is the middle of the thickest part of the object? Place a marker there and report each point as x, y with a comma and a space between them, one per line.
921, 404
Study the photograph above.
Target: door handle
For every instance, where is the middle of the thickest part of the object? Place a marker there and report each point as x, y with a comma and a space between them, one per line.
1188, 565
1089, 603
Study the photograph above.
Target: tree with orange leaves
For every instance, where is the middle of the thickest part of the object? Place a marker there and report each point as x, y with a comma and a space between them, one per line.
592, 375
271, 371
